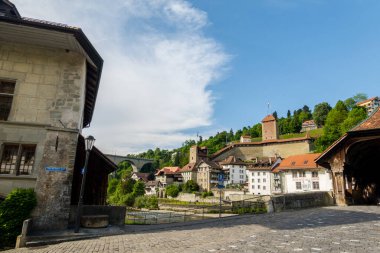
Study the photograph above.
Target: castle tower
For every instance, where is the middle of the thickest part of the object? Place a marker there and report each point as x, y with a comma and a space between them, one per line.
269, 128
197, 153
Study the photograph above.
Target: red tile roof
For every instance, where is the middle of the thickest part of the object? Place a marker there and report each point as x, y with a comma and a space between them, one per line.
168, 170
372, 122
304, 161
189, 167
269, 117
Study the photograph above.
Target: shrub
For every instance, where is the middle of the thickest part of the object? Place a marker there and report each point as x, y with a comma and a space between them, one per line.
172, 190
13, 211
149, 202
139, 188
190, 186
127, 199
207, 194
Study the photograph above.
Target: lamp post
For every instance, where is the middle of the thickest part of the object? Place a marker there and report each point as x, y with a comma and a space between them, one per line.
89, 143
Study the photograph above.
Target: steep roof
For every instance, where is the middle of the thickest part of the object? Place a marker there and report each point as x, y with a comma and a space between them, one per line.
372, 122
189, 167
210, 163
142, 176
368, 127
168, 170
232, 160
269, 117
304, 161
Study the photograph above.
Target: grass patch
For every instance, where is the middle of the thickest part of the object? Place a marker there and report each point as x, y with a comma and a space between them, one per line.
183, 203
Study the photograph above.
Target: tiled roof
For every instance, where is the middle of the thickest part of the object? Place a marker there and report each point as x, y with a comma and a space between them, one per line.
210, 163
308, 122
372, 122
232, 160
304, 161
189, 167
168, 170
269, 117
263, 163
143, 176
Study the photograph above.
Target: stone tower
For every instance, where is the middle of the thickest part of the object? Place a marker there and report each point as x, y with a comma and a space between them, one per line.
197, 153
269, 128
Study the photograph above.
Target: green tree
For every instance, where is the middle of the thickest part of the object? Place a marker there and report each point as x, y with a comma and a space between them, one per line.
320, 113
190, 186
139, 188
360, 97
172, 190
355, 116
332, 130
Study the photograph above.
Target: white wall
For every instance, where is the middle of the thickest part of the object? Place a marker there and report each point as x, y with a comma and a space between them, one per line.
237, 174
324, 180
259, 182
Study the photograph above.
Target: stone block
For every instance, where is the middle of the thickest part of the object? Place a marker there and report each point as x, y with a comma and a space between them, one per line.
94, 221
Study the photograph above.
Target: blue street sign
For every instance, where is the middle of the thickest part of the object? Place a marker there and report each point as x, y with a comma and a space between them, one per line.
220, 186
59, 169
220, 178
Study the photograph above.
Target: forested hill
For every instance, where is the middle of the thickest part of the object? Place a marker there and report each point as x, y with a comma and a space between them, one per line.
333, 122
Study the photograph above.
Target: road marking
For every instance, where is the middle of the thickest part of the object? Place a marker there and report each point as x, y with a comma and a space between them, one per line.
317, 249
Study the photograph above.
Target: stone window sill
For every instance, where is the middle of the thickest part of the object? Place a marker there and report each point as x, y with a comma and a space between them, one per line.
20, 177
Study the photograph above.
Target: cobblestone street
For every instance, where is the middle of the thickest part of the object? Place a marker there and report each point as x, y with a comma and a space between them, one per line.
332, 229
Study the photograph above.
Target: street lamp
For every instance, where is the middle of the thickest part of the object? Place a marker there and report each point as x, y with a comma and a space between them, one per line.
89, 143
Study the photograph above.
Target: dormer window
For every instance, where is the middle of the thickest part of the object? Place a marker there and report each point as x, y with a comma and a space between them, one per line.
7, 89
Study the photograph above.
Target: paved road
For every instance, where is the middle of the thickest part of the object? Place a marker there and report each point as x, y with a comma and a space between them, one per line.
332, 229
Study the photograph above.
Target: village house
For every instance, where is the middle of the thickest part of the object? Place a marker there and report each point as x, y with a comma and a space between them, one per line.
145, 177
207, 176
153, 187
308, 125
260, 176
169, 175
370, 104
49, 80
300, 173
190, 170
234, 171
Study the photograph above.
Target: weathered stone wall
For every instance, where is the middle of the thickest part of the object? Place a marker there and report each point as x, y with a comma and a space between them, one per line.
48, 103
268, 150
301, 200
116, 214
49, 84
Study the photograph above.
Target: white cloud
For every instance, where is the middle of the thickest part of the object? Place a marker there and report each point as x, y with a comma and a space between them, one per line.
158, 67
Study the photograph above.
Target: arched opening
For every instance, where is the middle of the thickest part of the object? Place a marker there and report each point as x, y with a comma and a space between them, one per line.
362, 172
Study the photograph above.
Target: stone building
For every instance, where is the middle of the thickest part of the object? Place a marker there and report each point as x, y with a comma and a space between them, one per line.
260, 177
49, 79
353, 162
270, 146
207, 175
234, 170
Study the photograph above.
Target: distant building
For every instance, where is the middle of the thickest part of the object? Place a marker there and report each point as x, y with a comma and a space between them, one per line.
169, 175
300, 173
245, 138
260, 176
270, 146
141, 176
189, 172
270, 128
370, 104
152, 187
207, 176
308, 125
234, 170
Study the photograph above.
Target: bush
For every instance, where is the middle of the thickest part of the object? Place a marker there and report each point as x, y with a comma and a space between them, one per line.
139, 188
207, 194
127, 199
190, 186
13, 211
149, 202
172, 190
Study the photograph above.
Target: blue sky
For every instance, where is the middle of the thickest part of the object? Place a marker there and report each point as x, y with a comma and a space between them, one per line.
177, 67
291, 53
